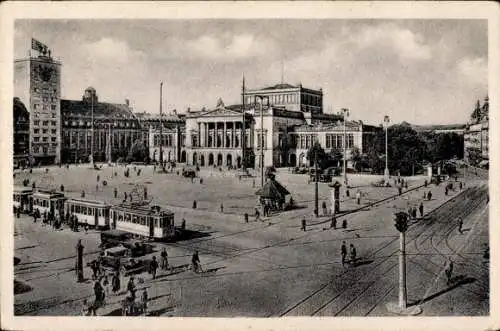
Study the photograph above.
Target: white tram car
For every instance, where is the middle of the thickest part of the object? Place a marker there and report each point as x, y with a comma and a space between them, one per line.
91, 212
47, 201
23, 199
143, 220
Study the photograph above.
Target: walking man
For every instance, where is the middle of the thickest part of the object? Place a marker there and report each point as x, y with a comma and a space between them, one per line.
414, 213
323, 206
164, 259
460, 224
353, 253
429, 196
333, 224
195, 261
343, 252
358, 197
79, 261
421, 209
303, 227
153, 266
449, 270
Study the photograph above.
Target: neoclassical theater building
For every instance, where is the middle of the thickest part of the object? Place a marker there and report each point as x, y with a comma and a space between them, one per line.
288, 118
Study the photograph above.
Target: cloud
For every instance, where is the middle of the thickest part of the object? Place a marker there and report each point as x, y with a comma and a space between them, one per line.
475, 70
392, 38
226, 46
111, 49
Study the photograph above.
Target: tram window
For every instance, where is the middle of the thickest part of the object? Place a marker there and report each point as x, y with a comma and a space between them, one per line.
143, 221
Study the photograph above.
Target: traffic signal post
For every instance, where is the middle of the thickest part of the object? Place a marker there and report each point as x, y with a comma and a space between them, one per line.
401, 307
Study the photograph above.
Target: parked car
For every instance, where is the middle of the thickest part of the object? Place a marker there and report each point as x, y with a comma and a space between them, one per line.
188, 173
301, 170
118, 238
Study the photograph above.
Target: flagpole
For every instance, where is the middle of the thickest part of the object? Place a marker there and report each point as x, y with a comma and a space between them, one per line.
92, 132
243, 130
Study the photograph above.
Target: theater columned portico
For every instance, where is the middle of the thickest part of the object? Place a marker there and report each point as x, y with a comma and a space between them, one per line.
215, 137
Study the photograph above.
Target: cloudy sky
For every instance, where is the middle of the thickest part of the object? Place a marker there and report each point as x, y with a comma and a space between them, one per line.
421, 71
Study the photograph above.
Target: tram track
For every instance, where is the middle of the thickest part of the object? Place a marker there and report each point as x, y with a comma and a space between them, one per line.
434, 226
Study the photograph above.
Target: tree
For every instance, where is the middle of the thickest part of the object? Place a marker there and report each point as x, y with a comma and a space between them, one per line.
356, 158
476, 113
316, 152
138, 152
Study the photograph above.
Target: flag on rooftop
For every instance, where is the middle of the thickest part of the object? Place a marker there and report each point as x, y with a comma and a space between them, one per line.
38, 46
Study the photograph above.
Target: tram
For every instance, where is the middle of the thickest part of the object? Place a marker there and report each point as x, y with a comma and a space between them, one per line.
23, 199
49, 201
143, 220
91, 212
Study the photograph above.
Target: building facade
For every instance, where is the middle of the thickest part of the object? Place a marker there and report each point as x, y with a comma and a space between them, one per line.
21, 134
115, 129
476, 134
37, 84
172, 132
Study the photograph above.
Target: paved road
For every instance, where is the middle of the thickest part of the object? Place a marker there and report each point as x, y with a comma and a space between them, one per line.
271, 268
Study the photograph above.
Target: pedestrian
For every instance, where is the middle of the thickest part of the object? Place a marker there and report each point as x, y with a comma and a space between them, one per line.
343, 252
115, 283
425, 183
421, 209
62, 188
347, 193
98, 177
183, 224
353, 253
195, 262
194, 204
257, 214
87, 309
460, 185
153, 266
449, 270
144, 301
406, 184
115, 191
400, 190
83, 194
333, 224
100, 296
460, 225
105, 283
323, 206
18, 212
429, 196
96, 187
344, 224
414, 213
131, 288
125, 196
446, 190
164, 259
303, 227
145, 193
86, 228
221, 208
358, 197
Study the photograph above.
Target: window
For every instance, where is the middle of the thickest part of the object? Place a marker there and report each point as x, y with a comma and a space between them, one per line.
36, 89
53, 131
36, 106
36, 139
54, 115
53, 123
44, 150
45, 139
350, 140
53, 139
45, 123
328, 141
36, 131
44, 131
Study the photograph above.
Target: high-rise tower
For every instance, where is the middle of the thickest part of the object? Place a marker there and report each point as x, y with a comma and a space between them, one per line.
37, 83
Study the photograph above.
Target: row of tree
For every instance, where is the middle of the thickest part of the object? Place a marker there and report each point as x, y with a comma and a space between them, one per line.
409, 151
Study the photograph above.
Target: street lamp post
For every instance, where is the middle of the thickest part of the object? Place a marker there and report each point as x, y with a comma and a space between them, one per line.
316, 202
386, 171
345, 114
92, 132
161, 126
262, 98
401, 307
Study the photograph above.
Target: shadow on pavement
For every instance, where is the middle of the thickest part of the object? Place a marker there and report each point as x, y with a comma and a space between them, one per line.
161, 311
26, 247
456, 281
188, 235
359, 262
20, 287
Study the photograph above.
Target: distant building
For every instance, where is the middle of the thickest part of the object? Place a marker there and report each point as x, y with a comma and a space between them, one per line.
116, 128
172, 133
21, 135
292, 119
476, 134
37, 84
